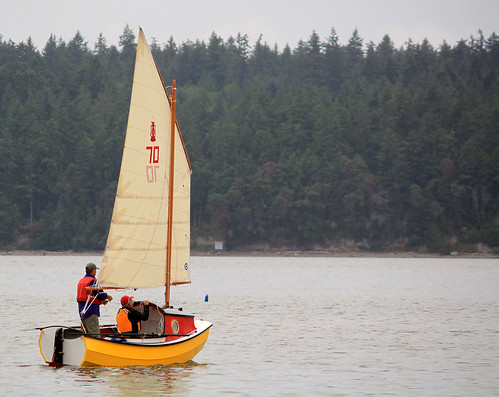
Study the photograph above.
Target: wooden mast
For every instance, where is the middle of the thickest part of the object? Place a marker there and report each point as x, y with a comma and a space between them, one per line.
170, 198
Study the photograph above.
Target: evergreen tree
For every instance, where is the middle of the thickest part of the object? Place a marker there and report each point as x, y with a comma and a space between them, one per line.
297, 148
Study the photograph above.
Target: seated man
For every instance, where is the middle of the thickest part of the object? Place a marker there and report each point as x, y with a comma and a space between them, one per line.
128, 319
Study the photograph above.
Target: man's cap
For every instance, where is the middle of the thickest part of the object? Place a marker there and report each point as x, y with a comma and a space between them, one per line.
90, 266
125, 299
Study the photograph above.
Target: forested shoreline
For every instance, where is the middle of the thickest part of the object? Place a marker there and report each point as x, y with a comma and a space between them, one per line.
293, 148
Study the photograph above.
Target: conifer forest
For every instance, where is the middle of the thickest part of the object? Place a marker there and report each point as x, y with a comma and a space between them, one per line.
294, 148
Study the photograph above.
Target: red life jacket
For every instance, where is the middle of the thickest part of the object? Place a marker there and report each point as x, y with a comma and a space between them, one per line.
82, 293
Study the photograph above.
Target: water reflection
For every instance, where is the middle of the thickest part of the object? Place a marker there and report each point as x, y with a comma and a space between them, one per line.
135, 381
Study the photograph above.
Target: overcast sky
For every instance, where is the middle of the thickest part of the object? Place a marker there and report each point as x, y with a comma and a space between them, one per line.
279, 22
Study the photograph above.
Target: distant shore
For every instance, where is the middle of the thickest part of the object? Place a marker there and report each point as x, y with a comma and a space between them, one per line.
284, 253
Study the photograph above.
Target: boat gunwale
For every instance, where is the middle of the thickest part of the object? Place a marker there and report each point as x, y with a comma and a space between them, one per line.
130, 342
181, 338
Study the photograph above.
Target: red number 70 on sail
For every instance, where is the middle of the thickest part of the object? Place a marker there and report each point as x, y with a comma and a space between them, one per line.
153, 159
153, 154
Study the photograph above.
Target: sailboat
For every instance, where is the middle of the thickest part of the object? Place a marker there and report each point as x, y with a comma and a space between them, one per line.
149, 238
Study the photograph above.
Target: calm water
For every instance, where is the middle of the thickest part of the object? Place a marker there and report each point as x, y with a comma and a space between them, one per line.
282, 326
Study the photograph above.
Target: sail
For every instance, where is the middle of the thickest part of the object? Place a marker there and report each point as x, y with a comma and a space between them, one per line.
136, 249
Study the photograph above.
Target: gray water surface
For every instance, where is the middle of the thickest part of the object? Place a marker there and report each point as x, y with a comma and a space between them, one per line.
282, 326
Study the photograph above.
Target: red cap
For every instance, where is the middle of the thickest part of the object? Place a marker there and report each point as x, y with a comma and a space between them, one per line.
125, 299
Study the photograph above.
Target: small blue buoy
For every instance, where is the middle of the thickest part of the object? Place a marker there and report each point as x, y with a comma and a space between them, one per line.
206, 298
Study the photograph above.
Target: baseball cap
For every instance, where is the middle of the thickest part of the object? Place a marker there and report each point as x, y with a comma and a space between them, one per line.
90, 266
125, 299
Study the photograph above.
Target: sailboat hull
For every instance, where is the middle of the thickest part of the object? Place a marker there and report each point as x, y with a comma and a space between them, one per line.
85, 351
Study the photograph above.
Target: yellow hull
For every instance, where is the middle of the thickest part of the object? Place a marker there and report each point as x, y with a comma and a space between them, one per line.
105, 353
86, 351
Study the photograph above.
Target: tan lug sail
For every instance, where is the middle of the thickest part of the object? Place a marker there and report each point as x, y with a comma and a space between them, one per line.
136, 249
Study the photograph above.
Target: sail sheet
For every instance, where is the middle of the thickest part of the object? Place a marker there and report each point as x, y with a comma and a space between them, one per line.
136, 249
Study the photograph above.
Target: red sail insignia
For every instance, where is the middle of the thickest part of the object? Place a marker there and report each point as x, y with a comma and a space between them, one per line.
153, 132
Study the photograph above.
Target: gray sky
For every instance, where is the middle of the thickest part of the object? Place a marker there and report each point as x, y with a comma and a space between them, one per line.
279, 21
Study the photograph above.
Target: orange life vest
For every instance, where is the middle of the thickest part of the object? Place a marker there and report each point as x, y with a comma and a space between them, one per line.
122, 321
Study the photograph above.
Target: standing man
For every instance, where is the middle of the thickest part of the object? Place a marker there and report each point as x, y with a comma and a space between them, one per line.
89, 300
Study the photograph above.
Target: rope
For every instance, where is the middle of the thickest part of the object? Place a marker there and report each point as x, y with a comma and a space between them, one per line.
87, 304
85, 308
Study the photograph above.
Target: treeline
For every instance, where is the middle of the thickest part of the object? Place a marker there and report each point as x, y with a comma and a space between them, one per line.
304, 147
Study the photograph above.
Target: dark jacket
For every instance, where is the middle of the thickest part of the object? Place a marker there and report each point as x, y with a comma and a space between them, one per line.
134, 316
